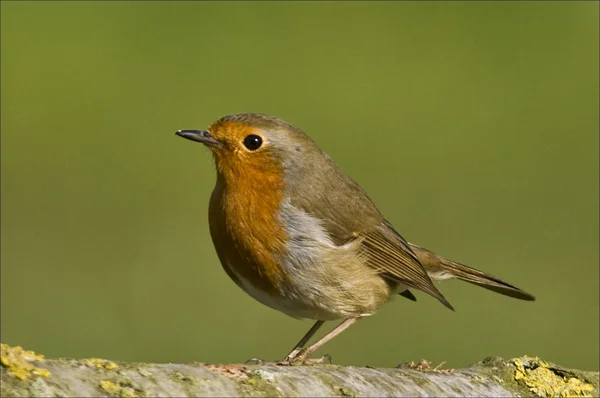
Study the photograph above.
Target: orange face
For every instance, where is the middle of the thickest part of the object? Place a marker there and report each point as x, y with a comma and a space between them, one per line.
244, 151
257, 147
243, 154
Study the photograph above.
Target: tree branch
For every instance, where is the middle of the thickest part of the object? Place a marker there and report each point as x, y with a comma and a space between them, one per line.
26, 374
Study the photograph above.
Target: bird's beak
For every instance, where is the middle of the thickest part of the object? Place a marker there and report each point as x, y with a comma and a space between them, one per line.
202, 136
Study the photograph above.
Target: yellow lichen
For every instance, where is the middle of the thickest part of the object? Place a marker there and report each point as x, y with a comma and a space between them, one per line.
101, 363
117, 390
544, 382
17, 360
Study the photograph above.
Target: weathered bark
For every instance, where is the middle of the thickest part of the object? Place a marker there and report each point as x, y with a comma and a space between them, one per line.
26, 374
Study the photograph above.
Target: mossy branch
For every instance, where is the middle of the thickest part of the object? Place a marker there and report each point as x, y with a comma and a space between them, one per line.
26, 374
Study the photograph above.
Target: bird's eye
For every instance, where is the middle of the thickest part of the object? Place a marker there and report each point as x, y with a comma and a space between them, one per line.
253, 142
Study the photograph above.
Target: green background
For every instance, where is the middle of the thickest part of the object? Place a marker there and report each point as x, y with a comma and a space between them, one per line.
473, 126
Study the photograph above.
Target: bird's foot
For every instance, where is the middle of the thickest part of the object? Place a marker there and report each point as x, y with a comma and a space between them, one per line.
300, 358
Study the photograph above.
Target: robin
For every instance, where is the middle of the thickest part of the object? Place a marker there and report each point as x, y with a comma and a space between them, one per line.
299, 235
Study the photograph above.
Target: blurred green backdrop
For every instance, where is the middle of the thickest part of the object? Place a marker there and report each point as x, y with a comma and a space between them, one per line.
473, 126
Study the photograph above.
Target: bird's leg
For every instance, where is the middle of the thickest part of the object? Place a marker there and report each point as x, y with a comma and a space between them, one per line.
303, 342
303, 354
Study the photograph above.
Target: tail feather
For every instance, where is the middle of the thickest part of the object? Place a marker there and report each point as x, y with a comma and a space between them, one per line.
440, 267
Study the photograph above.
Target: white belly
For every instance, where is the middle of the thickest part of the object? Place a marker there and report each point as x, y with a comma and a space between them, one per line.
281, 302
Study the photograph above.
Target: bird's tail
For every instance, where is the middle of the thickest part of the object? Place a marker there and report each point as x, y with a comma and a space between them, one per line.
440, 268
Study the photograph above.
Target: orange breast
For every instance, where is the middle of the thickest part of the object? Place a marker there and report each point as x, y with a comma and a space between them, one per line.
244, 223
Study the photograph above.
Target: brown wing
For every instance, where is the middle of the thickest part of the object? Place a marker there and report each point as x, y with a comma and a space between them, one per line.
318, 187
390, 254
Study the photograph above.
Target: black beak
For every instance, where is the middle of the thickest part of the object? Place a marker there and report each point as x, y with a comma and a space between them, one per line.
202, 136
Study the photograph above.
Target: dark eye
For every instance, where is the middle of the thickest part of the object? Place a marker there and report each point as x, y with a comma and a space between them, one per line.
252, 142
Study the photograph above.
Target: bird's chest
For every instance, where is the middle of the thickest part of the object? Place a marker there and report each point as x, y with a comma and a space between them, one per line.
284, 259
248, 236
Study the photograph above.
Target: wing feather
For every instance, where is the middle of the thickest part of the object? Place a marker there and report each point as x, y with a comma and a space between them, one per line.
387, 252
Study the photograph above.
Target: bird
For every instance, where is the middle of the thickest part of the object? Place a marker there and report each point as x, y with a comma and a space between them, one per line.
299, 235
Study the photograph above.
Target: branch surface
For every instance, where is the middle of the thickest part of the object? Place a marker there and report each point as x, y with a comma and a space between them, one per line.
26, 374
